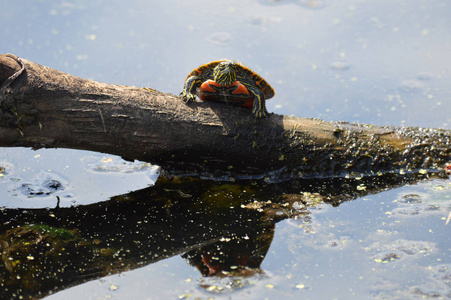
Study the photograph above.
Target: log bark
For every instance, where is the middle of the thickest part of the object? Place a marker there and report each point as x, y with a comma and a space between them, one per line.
43, 107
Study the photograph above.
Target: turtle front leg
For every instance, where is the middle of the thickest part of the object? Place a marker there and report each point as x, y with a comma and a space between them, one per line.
259, 109
189, 90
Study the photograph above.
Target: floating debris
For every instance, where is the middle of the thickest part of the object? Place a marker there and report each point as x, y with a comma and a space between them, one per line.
449, 218
340, 65
411, 198
300, 286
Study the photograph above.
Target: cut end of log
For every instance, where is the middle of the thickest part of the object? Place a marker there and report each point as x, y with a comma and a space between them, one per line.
8, 67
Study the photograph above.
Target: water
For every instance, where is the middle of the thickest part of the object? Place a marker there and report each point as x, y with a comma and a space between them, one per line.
77, 177
375, 62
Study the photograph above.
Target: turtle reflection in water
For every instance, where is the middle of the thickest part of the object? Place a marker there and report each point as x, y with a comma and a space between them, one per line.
237, 256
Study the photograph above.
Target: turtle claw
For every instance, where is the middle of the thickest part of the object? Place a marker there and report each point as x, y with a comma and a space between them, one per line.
187, 97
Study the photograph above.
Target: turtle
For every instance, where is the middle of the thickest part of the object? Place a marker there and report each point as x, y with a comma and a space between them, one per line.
231, 82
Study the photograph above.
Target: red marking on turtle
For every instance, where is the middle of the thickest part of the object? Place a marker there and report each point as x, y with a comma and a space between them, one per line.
235, 93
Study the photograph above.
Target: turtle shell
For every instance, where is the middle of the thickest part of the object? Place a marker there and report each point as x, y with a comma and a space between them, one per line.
244, 74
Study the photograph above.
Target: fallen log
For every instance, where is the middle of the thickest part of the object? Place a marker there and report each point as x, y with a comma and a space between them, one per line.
43, 107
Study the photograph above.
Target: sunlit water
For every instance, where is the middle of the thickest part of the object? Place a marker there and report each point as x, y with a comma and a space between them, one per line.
376, 62
33, 179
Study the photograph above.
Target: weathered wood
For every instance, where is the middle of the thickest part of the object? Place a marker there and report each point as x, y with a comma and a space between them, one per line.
44, 107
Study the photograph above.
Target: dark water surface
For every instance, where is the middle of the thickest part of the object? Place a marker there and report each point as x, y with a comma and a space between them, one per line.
376, 62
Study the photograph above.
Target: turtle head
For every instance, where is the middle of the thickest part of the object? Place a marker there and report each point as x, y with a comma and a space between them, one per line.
224, 73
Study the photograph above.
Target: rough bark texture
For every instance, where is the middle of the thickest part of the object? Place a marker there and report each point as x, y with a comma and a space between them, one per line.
44, 107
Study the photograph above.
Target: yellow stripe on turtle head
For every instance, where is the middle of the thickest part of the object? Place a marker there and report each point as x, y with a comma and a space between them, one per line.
224, 73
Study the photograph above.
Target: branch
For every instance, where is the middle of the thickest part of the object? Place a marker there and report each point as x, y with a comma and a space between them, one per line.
43, 107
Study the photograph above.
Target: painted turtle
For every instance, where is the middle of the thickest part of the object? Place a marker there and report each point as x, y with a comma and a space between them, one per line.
230, 82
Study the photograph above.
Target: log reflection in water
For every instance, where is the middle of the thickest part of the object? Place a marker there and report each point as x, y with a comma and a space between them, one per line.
224, 229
